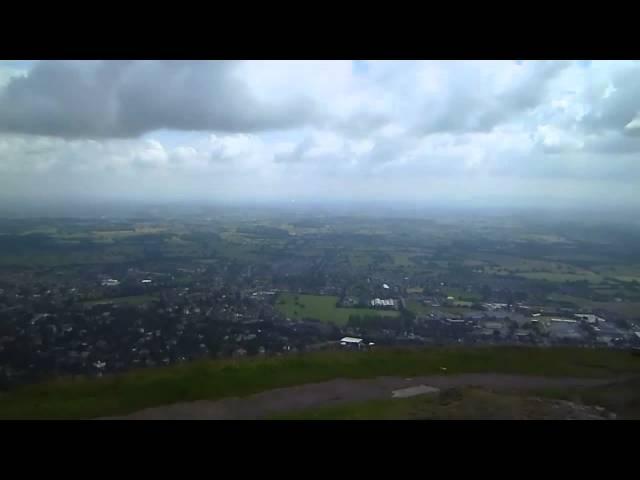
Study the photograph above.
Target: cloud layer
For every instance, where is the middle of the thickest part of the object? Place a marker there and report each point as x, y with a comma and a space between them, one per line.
127, 98
532, 131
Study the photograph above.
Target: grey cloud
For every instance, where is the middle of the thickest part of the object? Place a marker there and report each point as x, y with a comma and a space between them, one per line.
532, 89
471, 108
297, 154
387, 150
633, 127
613, 143
127, 98
362, 124
619, 109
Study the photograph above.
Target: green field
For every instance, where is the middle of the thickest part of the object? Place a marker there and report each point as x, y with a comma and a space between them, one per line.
626, 273
463, 296
64, 259
131, 300
543, 238
365, 258
401, 259
461, 303
562, 277
629, 309
215, 379
323, 308
549, 270
418, 307
360, 259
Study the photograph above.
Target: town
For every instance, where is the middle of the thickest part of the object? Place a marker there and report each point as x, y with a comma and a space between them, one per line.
114, 315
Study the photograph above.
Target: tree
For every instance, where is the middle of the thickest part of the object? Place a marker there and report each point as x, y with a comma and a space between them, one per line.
486, 292
622, 323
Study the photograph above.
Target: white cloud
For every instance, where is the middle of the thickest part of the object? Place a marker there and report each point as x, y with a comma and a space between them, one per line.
633, 127
7, 73
556, 140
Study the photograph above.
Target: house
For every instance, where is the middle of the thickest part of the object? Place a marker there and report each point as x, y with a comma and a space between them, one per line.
352, 342
493, 325
495, 306
474, 316
239, 352
607, 333
589, 317
562, 330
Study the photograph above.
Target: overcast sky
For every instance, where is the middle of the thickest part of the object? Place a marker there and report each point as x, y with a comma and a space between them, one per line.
423, 132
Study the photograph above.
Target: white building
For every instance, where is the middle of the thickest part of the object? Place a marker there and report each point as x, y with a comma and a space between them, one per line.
564, 320
352, 342
377, 302
589, 317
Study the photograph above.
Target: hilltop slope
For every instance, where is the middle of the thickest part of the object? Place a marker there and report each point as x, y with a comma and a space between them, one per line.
218, 379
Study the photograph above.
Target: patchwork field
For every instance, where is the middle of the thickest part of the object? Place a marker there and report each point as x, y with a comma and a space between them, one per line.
402, 259
360, 259
629, 309
323, 308
561, 277
537, 269
625, 273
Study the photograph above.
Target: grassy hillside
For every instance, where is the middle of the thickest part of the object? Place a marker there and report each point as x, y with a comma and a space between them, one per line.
455, 404
622, 398
83, 398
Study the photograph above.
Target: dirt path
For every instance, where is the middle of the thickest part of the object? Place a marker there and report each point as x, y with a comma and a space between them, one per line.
342, 391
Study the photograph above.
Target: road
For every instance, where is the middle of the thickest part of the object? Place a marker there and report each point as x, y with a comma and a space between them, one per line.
340, 391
